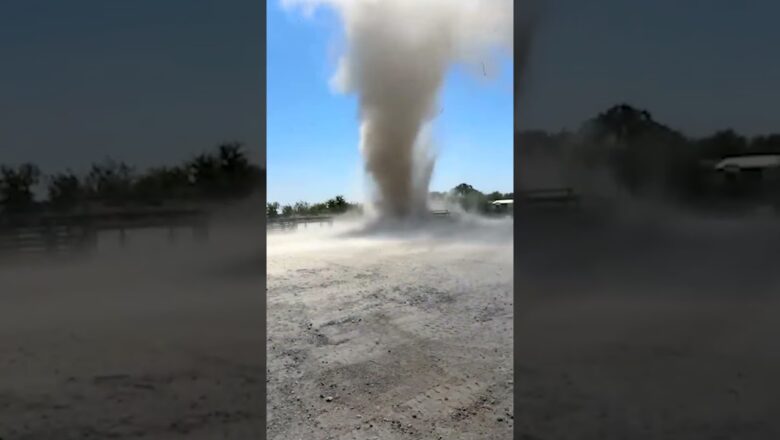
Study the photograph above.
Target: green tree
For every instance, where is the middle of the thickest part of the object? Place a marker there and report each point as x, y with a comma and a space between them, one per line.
642, 155
495, 195
769, 144
722, 144
337, 205
272, 210
16, 186
164, 183
226, 173
239, 177
205, 171
318, 208
301, 208
110, 182
66, 191
470, 199
464, 189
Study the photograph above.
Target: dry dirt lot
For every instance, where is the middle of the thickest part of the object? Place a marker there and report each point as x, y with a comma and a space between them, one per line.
154, 342
650, 327
390, 336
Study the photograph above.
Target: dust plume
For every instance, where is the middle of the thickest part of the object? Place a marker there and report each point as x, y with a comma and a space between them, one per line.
152, 315
398, 53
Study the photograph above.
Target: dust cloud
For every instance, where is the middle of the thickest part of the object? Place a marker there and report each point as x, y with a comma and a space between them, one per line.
398, 53
388, 332
147, 340
392, 327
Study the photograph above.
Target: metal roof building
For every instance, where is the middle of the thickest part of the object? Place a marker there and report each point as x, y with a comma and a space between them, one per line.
503, 202
747, 162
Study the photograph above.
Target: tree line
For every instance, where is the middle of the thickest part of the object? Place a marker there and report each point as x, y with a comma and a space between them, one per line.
640, 155
464, 195
336, 205
225, 173
469, 198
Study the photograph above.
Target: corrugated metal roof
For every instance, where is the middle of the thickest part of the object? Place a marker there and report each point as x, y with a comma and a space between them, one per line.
754, 161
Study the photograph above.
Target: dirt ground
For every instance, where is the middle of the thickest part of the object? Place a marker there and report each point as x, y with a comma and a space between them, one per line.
639, 330
153, 342
375, 336
649, 328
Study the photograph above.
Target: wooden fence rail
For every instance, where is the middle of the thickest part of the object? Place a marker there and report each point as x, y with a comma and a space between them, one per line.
291, 223
549, 197
78, 232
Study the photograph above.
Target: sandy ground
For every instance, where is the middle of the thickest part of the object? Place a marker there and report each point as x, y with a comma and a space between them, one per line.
388, 336
154, 342
652, 328
626, 330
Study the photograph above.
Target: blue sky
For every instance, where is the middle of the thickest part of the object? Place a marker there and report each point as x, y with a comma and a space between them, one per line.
312, 132
154, 82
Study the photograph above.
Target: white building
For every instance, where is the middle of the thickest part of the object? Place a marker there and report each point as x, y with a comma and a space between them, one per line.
748, 162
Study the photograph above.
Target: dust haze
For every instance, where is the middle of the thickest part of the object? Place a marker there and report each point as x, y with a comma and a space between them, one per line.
396, 324
154, 340
391, 332
648, 322
640, 316
398, 53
